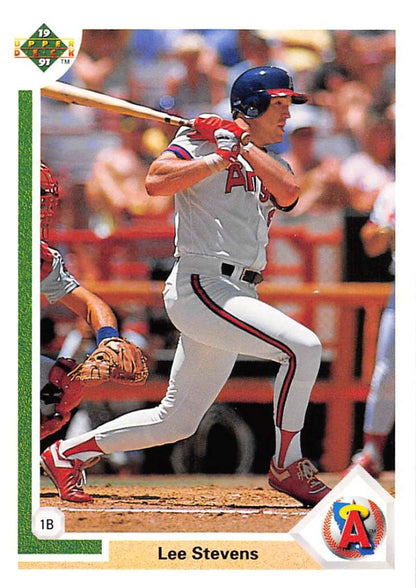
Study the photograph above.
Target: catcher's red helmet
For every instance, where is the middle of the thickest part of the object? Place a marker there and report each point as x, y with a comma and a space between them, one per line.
49, 196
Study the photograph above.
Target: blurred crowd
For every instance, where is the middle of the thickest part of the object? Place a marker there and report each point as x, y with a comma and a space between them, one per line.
341, 146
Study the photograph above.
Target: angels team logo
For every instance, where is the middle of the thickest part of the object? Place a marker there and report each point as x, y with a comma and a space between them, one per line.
353, 527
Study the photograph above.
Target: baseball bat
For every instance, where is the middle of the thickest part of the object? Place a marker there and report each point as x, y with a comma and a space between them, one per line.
74, 95
83, 97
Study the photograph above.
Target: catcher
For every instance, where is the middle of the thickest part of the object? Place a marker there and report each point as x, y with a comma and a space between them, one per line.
114, 359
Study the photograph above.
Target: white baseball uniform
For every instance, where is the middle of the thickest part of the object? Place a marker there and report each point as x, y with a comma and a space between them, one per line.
56, 282
221, 237
379, 412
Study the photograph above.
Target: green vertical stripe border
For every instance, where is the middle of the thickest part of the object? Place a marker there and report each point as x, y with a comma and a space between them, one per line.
27, 542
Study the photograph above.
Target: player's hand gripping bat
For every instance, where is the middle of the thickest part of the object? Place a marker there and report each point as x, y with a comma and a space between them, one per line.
81, 96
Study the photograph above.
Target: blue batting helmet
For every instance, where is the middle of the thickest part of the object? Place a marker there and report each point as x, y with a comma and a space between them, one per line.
253, 89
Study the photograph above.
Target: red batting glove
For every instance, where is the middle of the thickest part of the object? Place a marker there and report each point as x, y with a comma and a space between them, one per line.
205, 127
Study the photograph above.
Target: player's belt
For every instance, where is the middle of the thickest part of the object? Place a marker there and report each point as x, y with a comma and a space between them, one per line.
247, 275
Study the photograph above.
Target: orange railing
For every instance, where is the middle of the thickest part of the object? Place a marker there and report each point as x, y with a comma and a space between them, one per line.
339, 392
348, 304
155, 239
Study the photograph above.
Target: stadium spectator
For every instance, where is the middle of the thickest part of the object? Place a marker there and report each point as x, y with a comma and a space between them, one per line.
359, 75
323, 197
225, 43
322, 190
102, 61
149, 45
373, 63
256, 50
368, 170
150, 60
301, 50
190, 87
102, 64
115, 188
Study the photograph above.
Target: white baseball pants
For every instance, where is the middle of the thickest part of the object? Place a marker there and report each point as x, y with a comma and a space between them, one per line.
218, 317
380, 406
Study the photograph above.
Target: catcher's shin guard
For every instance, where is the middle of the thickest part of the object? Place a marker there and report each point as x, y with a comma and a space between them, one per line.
298, 481
58, 397
66, 474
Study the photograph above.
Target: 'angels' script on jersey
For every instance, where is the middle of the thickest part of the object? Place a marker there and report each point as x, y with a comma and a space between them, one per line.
238, 176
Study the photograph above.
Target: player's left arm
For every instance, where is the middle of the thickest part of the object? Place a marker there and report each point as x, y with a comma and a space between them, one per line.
91, 308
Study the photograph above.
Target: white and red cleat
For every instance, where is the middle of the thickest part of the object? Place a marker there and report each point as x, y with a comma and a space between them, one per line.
369, 460
66, 474
299, 481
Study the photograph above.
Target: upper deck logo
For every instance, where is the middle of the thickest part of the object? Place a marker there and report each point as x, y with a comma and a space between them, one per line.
353, 527
44, 48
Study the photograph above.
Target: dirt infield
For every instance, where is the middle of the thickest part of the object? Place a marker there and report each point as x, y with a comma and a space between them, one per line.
192, 503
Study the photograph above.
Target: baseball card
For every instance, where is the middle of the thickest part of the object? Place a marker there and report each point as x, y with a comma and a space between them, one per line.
207, 369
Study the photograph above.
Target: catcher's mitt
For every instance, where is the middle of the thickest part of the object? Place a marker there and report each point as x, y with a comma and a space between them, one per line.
114, 360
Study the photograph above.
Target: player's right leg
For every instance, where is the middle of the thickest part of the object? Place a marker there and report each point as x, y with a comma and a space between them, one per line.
197, 376
227, 314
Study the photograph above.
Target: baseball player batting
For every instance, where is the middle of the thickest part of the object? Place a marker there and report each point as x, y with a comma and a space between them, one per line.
226, 195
